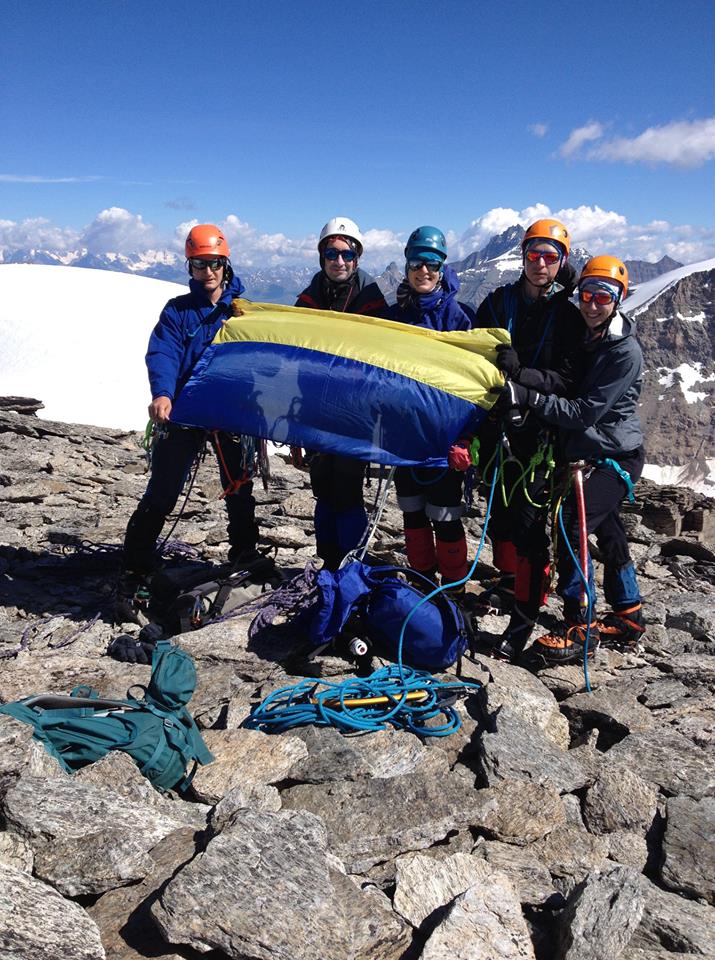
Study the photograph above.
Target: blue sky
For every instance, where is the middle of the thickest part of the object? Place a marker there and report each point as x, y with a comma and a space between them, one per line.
124, 120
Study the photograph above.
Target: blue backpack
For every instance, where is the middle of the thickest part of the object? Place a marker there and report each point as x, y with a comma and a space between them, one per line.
155, 729
382, 598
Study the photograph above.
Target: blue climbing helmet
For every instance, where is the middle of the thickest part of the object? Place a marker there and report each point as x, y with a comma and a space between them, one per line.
427, 243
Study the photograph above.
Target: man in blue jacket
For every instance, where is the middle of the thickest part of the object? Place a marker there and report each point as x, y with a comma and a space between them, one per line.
187, 325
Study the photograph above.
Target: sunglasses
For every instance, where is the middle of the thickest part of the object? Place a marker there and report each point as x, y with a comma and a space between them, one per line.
332, 253
548, 256
602, 297
198, 263
434, 266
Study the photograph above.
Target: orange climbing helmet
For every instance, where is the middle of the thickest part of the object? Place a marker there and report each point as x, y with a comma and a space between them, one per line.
206, 240
547, 229
606, 268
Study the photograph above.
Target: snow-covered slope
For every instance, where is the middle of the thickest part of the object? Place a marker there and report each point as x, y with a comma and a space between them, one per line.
647, 292
75, 338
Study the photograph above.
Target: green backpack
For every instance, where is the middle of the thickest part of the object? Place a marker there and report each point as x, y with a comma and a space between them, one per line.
155, 729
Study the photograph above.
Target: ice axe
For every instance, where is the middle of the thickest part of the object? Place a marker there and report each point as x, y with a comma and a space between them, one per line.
577, 478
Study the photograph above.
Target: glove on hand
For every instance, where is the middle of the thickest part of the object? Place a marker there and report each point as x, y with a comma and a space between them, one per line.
128, 650
459, 457
513, 395
508, 361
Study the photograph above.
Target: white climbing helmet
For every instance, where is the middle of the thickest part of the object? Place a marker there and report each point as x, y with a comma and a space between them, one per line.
341, 227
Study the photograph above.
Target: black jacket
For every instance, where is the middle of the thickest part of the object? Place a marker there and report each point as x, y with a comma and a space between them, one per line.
546, 333
360, 294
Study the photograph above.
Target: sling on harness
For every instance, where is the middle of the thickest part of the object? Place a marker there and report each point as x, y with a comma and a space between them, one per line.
623, 474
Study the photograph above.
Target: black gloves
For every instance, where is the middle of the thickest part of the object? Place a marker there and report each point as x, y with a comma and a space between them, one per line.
511, 397
508, 361
128, 649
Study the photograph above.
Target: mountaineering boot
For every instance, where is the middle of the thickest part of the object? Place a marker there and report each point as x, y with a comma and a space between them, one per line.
132, 597
497, 598
567, 645
623, 628
510, 645
249, 560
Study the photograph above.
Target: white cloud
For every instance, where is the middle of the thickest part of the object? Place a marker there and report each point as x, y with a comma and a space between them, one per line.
31, 178
538, 130
35, 233
119, 231
593, 130
251, 248
682, 143
598, 231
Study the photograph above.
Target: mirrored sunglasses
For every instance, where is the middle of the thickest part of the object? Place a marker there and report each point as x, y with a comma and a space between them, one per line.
602, 297
200, 263
548, 256
332, 253
434, 266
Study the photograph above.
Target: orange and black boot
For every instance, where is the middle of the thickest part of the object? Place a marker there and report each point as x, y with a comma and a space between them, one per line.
623, 628
568, 644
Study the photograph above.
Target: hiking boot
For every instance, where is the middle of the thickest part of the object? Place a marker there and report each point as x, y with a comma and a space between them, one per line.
623, 628
510, 646
249, 560
497, 598
132, 597
567, 646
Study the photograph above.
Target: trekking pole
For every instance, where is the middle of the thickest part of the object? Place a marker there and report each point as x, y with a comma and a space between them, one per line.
577, 477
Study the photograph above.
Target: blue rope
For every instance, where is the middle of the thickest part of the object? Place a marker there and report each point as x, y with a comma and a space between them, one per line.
428, 483
410, 699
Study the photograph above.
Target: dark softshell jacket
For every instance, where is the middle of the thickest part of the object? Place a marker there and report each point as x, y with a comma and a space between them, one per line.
602, 418
546, 333
364, 296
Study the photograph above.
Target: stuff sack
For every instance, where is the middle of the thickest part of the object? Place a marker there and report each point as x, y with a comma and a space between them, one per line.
156, 729
381, 598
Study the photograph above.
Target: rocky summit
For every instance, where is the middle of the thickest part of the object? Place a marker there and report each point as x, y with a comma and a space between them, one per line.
556, 823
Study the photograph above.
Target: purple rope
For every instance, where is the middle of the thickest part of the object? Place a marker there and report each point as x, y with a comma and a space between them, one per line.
295, 596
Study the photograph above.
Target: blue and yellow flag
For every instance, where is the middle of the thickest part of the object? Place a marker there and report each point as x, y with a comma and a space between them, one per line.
376, 390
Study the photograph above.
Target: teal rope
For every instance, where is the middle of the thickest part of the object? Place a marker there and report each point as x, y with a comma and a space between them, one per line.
324, 704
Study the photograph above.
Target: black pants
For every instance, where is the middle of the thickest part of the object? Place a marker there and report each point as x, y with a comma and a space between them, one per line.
172, 459
340, 517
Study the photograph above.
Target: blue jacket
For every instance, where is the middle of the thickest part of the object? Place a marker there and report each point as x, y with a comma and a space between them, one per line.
187, 325
438, 310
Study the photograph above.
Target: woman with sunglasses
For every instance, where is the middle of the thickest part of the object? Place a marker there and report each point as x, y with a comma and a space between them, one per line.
545, 330
431, 499
187, 325
337, 481
599, 427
